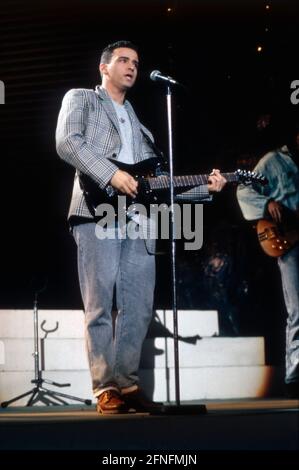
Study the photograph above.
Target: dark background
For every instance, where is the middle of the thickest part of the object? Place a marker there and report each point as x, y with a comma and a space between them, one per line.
49, 47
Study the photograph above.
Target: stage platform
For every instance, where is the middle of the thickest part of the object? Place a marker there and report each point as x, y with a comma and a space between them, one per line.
230, 425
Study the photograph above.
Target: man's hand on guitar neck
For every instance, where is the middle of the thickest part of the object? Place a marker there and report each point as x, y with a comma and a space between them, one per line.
125, 183
216, 181
275, 210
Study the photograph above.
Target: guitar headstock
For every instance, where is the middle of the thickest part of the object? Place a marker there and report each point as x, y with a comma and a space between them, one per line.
248, 177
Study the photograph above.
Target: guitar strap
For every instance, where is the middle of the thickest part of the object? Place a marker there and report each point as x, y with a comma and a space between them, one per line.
154, 147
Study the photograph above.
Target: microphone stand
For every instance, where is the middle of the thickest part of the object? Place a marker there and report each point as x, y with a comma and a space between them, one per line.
173, 245
178, 408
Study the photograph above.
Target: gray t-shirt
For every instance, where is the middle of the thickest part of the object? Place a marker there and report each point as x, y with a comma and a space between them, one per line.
126, 153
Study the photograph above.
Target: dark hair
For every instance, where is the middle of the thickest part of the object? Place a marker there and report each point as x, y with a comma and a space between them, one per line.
108, 51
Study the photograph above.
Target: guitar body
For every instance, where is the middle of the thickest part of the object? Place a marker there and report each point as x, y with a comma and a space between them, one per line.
276, 239
141, 171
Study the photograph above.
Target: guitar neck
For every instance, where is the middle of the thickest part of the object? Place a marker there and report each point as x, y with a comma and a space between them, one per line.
187, 181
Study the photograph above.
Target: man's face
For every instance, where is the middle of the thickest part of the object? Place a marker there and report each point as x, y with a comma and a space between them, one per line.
121, 71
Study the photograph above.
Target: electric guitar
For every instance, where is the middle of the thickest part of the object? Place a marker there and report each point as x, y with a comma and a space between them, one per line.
153, 188
276, 239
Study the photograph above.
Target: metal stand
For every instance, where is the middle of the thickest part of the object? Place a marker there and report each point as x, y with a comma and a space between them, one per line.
40, 393
178, 408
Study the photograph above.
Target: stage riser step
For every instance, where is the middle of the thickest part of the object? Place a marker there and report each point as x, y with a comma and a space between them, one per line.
19, 323
2, 353
70, 354
16, 383
196, 383
191, 322
210, 382
221, 351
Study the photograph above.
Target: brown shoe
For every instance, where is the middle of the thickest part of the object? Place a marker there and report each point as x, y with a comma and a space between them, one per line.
110, 402
137, 401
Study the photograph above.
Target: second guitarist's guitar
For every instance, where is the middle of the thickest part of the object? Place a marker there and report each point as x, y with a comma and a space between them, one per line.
276, 239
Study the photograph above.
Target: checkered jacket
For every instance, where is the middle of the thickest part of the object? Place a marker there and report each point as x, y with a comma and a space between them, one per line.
88, 134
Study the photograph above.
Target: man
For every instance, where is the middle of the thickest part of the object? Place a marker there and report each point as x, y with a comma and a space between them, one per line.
280, 168
92, 127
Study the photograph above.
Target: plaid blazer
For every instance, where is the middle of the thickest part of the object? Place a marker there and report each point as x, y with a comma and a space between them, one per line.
88, 134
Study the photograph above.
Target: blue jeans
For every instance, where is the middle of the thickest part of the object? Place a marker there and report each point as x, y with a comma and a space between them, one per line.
289, 269
126, 266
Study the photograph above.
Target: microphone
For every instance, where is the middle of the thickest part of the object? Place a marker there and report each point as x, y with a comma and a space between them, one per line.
157, 77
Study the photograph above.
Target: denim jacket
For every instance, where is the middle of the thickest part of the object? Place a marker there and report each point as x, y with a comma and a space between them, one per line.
283, 185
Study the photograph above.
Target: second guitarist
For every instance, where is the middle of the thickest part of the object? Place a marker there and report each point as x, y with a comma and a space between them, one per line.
280, 167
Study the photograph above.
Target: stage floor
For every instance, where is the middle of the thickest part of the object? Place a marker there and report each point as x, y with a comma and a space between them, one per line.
255, 424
